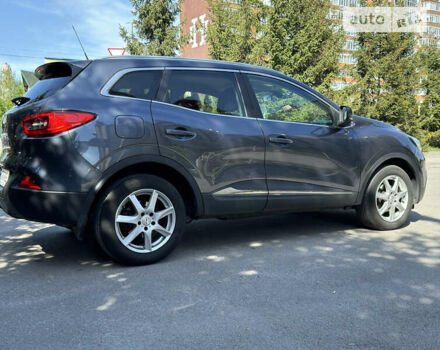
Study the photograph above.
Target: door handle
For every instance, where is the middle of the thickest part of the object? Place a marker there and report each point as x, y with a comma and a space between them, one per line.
180, 133
280, 139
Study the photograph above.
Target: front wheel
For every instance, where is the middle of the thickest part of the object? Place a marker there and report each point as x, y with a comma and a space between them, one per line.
388, 199
139, 219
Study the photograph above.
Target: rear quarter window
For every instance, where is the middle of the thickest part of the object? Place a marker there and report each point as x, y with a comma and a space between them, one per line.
141, 84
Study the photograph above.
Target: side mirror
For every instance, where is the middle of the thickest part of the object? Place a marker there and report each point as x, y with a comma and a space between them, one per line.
345, 117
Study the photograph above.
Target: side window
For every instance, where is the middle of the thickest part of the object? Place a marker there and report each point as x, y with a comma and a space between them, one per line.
139, 84
205, 91
279, 100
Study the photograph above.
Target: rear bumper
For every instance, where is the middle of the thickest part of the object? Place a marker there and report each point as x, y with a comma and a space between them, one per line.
59, 208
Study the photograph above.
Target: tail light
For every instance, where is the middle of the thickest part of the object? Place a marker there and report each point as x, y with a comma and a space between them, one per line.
54, 122
27, 182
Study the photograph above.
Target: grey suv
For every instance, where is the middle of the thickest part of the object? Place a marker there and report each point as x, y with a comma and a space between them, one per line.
132, 148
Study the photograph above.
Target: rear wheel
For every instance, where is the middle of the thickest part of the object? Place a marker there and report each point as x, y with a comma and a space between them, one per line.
140, 219
388, 199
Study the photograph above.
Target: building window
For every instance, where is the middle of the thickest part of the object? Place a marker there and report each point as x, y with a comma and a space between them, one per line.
433, 18
412, 3
339, 85
352, 3
433, 30
351, 45
336, 15
347, 59
431, 5
353, 34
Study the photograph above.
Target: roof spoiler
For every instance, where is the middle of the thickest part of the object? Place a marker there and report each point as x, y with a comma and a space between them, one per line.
60, 69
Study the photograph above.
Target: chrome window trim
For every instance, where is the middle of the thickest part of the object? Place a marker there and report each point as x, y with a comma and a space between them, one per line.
108, 85
105, 91
300, 123
302, 89
289, 82
203, 69
193, 110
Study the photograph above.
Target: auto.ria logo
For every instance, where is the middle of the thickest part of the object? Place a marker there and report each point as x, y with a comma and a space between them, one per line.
383, 19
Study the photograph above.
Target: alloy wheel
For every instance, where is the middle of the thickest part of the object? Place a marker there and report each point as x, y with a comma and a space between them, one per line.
145, 220
391, 198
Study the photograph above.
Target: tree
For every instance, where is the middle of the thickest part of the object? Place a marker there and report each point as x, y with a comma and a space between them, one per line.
154, 29
430, 108
295, 37
9, 88
236, 31
387, 79
303, 41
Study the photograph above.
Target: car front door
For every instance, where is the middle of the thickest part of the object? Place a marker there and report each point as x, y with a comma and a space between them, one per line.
201, 122
309, 163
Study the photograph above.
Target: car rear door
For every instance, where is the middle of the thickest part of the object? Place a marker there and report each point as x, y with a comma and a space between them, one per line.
201, 122
309, 163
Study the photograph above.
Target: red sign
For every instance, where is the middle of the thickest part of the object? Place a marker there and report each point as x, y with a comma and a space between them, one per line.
116, 51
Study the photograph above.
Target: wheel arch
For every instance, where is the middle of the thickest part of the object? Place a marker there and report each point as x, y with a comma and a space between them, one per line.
154, 165
400, 160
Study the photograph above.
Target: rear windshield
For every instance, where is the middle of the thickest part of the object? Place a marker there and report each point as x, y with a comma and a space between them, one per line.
46, 87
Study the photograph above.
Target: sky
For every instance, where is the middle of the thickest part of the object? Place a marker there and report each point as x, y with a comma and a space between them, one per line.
43, 28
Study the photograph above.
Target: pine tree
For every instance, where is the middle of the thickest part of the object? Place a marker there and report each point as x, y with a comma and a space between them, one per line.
387, 79
154, 28
303, 41
236, 30
430, 108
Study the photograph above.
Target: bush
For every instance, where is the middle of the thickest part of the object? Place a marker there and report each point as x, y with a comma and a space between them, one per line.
434, 138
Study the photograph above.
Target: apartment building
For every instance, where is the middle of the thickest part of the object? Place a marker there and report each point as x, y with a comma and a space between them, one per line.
194, 16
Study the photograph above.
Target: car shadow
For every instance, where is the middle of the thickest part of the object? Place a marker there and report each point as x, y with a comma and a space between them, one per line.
32, 243
28, 243
209, 233
415, 216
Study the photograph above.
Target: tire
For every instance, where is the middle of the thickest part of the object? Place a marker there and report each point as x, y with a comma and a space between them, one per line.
129, 227
379, 197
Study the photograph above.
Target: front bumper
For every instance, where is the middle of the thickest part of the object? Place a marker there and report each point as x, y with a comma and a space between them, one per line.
423, 180
59, 208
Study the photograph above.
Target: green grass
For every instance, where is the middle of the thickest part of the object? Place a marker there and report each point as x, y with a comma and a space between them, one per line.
431, 149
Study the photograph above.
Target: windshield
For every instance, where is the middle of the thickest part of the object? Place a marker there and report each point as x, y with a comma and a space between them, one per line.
46, 87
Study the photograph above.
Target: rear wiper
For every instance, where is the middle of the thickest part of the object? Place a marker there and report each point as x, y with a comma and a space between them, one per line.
18, 101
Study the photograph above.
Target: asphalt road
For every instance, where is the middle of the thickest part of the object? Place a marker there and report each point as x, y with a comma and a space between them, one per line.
297, 281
